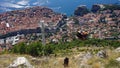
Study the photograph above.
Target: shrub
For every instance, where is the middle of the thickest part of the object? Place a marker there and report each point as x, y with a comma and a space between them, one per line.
37, 49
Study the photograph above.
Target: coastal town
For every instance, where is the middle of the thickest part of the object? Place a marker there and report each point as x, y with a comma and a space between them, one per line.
60, 34
25, 25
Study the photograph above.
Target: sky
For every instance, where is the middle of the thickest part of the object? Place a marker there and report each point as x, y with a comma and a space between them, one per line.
63, 6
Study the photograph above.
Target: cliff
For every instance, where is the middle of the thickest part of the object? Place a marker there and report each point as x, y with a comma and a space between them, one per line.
81, 10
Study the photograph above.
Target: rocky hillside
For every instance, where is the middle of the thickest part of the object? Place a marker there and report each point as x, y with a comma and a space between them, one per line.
101, 7
82, 57
82, 10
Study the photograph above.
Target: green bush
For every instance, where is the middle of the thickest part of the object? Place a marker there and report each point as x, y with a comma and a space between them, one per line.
37, 49
19, 48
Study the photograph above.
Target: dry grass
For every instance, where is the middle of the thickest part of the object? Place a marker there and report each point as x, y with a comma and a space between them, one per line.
57, 62
97, 62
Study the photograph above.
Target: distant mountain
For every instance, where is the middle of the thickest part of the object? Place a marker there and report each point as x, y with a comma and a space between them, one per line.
62, 6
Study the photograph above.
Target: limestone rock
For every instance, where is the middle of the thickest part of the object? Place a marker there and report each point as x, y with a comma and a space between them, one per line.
84, 60
102, 54
118, 59
117, 49
81, 10
20, 61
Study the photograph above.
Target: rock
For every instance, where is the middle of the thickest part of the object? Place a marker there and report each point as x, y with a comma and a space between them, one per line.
95, 8
102, 54
20, 61
86, 57
81, 10
117, 49
82, 57
118, 59
36, 61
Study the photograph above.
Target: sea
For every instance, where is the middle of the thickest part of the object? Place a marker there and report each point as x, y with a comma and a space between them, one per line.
62, 6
